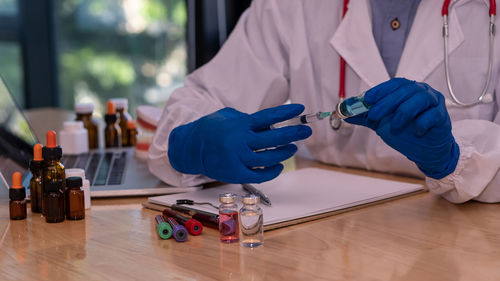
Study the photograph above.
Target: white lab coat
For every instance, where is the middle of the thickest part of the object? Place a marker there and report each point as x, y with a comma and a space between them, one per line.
289, 50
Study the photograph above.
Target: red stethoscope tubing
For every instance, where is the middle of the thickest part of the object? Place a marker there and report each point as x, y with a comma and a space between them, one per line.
446, 5
444, 12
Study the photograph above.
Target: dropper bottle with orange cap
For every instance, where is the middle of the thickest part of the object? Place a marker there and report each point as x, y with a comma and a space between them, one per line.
53, 170
112, 132
131, 133
36, 182
17, 195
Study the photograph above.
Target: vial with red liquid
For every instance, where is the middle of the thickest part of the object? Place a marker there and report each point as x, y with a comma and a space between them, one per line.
228, 218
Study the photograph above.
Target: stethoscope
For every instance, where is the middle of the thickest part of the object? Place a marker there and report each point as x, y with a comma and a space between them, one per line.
483, 98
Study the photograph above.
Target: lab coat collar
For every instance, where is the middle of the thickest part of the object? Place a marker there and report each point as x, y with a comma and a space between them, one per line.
354, 41
424, 49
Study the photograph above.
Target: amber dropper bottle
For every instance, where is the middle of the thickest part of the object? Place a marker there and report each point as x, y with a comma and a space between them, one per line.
17, 195
131, 133
53, 170
121, 105
112, 132
36, 168
75, 204
54, 201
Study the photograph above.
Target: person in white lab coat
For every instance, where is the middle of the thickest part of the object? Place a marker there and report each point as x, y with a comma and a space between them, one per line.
290, 50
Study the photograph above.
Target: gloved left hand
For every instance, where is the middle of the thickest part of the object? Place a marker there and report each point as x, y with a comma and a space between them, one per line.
411, 117
235, 147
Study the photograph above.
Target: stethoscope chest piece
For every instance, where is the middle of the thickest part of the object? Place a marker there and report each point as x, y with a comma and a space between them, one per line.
335, 122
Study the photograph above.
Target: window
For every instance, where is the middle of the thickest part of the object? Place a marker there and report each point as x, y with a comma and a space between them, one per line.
10, 50
120, 48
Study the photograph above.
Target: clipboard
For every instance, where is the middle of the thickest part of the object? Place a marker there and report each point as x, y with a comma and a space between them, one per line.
303, 195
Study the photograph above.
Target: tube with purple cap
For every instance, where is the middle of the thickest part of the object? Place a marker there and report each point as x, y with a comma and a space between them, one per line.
179, 232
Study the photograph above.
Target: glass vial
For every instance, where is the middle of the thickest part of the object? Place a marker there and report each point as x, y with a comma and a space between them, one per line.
53, 170
17, 195
352, 106
251, 222
228, 218
54, 202
36, 168
75, 199
84, 113
112, 132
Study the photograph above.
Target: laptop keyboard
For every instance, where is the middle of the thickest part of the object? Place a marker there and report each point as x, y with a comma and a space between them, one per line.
101, 168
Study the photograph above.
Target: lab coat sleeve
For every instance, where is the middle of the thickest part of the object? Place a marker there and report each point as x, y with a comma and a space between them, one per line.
249, 73
476, 176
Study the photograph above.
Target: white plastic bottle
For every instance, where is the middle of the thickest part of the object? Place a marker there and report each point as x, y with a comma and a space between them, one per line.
74, 138
86, 183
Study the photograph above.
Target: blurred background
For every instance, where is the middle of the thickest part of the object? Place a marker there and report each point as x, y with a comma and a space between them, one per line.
54, 53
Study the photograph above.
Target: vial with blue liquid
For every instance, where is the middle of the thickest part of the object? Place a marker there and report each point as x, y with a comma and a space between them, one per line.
352, 106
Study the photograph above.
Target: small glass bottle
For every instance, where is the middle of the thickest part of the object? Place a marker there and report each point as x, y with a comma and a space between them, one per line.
36, 168
131, 133
251, 222
75, 199
53, 170
54, 201
84, 113
121, 105
17, 195
228, 218
112, 132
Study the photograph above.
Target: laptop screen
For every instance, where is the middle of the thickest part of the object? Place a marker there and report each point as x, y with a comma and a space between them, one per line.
16, 136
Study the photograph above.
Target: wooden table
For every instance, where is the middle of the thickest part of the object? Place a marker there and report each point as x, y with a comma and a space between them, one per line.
422, 237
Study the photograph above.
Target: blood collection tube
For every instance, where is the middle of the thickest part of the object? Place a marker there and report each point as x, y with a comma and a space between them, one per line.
211, 221
164, 229
193, 226
179, 232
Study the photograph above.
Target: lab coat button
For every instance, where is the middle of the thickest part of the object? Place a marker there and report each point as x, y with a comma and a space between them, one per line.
395, 24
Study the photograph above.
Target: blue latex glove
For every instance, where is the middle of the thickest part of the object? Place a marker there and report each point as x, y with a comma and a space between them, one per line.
411, 117
222, 145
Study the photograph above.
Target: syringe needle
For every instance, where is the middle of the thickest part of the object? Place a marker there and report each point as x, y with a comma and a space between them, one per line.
302, 119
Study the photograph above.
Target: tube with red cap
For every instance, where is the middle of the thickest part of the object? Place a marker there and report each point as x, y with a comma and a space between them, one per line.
193, 226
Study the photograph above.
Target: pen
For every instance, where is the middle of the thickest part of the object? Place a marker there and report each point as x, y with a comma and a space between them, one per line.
253, 190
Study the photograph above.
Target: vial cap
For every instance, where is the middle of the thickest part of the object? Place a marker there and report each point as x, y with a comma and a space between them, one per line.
120, 103
228, 198
51, 139
250, 199
72, 125
74, 172
73, 182
37, 152
84, 108
17, 180
111, 108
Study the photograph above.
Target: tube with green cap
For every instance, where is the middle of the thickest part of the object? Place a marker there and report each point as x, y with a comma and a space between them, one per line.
163, 227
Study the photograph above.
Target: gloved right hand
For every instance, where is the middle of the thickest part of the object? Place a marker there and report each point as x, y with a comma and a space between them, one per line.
223, 145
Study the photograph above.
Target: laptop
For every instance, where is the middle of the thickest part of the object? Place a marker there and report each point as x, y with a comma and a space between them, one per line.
111, 172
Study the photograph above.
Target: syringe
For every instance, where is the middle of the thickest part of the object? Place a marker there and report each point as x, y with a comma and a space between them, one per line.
348, 108
302, 119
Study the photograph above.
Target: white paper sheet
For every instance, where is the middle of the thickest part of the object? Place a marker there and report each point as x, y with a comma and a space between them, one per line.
303, 193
